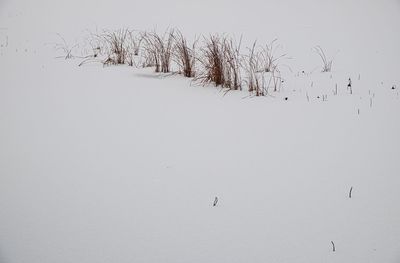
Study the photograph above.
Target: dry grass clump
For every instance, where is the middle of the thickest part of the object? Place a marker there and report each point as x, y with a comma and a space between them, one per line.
220, 60
233, 59
117, 46
212, 61
159, 50
113, 47
184, 55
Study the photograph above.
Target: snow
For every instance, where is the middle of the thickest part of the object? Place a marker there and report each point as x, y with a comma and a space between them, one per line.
115, 164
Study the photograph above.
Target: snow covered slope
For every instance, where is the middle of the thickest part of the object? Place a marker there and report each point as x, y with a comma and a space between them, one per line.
118, 164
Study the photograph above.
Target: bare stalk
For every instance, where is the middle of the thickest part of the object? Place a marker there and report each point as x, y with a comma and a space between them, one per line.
326, 63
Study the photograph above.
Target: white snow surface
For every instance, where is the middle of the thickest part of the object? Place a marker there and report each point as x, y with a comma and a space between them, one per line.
116, 164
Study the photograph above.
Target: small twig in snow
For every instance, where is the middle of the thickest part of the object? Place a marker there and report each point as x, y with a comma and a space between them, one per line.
349, 86
215, 201
333, 246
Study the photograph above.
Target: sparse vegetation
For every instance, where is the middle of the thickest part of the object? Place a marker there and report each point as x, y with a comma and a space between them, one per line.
326, 63
217, 60
262, 69
133, 47
65, 48
270, 57
271, 65
255, 77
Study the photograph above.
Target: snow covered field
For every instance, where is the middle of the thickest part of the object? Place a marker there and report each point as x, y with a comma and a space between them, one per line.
116, 164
